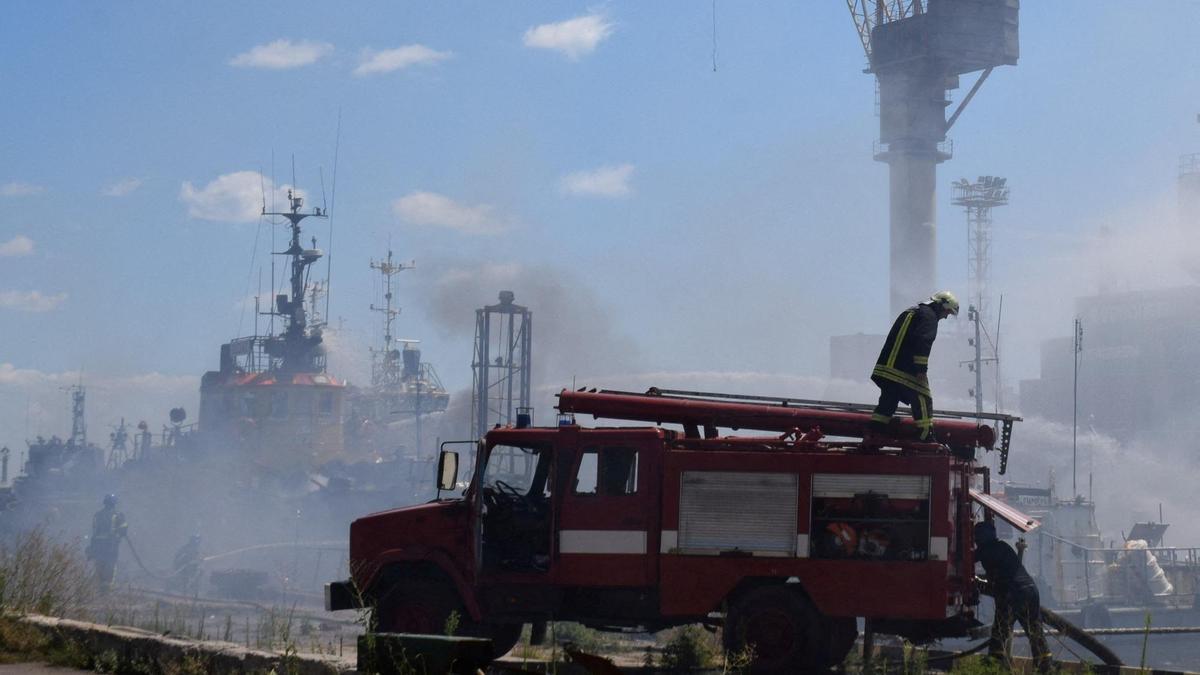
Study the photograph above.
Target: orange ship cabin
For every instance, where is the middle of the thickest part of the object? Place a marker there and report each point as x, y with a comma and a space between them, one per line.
278, 417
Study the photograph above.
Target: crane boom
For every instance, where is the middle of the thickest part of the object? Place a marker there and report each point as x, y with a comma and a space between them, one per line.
868, 14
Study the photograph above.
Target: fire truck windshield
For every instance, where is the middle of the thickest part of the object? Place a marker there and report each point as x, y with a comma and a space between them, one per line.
515, 469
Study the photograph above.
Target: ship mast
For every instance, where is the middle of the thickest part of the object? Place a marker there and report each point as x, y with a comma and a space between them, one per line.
385, 364
296, 349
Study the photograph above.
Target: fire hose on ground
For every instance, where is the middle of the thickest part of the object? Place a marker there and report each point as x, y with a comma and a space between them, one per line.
1058, 623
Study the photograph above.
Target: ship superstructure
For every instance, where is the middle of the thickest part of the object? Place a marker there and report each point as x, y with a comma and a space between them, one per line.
403, 388
271, 396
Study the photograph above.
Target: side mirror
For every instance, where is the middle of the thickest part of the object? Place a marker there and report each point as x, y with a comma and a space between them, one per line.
447, 470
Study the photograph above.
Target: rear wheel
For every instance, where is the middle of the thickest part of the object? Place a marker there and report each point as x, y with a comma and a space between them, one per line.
784, 632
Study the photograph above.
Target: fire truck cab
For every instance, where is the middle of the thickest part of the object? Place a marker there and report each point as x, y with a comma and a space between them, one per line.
785, 539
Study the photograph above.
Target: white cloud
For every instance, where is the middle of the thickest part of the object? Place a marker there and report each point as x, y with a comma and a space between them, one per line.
282, 54
606, 181
232, 197
387, 60
122, 187
19, 189
17, 246
30, 301
430, 208
573, 37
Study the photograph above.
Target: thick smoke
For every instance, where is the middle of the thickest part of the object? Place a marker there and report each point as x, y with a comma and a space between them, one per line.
575, 337
1143, 247
1128, 481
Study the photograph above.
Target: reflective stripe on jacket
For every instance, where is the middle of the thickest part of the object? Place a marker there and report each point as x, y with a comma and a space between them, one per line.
905, 354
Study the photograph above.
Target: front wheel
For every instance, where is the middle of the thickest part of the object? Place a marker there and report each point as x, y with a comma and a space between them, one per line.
783, 633
421, 606
504, 636
426, 607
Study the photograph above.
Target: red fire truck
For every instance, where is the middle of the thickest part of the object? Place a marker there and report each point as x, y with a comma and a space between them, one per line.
785, 538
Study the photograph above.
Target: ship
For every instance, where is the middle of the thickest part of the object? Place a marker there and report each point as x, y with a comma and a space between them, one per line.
267, 475
271, 398
387, 415
1137, 595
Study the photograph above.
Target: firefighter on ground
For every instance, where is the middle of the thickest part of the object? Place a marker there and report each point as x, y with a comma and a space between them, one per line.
185, 574
108, 528
901, 371
1016, 597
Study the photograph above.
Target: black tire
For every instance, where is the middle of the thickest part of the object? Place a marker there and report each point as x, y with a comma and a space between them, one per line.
537, 633
784, 631
421, 606
843, 633
504, 637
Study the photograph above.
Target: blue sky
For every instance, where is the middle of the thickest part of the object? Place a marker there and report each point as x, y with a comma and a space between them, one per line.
729, 220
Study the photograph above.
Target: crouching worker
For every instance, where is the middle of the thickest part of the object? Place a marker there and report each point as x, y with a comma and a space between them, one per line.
1016, 598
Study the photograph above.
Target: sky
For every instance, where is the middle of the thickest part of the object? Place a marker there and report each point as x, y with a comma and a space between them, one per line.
697, 191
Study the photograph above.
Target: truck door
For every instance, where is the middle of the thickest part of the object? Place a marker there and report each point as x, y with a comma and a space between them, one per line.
607, 528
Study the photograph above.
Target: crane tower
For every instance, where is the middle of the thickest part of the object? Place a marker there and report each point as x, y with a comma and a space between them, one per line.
917, 49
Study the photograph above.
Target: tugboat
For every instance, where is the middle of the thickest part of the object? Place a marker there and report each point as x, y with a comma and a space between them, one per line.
271, 398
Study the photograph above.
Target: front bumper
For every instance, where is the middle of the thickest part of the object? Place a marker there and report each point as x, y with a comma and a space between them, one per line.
341, 595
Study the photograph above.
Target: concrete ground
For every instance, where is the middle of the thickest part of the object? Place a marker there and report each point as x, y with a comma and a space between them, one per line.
34, 669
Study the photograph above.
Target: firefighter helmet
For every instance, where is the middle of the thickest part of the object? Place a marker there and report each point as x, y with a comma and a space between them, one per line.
945, 300
110, 500
845, 539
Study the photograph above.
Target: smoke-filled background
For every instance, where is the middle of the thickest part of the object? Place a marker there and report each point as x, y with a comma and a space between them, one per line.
682, 200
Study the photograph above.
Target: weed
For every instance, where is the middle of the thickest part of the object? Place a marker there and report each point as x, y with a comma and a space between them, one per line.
43, 576
739, 661
916, 660
980, 665
584, 638
452, 623
107, 661
1145, 643
648, 658
689, 647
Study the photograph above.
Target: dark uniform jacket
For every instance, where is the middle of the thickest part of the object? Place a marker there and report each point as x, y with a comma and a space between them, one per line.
905, 354
1004, 570
108, 526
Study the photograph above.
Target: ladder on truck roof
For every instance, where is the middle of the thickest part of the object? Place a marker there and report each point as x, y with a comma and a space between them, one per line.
960, 431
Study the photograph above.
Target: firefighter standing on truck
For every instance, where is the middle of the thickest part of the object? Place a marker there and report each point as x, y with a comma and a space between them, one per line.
902, 369
1016, 596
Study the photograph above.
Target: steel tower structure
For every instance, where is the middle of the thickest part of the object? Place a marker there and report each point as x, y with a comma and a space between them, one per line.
385, 362
917, 49
979, 198
78, 416
502, 364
